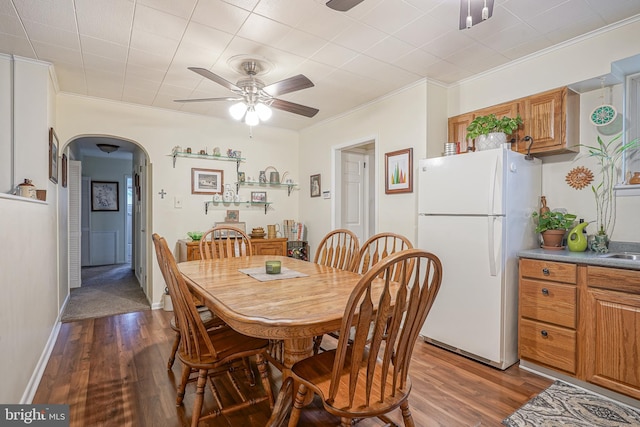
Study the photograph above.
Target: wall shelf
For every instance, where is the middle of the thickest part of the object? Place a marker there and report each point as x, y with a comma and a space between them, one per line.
177, 154
289, 186
236, 204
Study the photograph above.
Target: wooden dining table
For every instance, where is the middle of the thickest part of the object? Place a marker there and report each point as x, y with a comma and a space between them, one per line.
294, 310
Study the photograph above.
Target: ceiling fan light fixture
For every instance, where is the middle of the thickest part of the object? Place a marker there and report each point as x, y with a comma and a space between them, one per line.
251, 118
238, 110
108, 148
263, 111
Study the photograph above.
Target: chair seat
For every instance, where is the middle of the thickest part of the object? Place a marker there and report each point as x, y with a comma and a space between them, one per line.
209, 319
317, 369
229, 344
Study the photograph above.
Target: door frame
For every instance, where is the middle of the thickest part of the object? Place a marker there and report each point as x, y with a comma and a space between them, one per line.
336, 180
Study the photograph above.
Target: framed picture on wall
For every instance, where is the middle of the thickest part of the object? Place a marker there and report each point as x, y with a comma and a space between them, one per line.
314, 184
104, 196
53, 156
206, 181
258, 196
398, 171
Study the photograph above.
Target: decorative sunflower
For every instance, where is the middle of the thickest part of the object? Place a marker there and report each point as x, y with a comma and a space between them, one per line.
579, 177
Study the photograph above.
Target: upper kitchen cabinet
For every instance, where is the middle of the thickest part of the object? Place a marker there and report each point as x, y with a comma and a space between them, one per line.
458, 129
551, 119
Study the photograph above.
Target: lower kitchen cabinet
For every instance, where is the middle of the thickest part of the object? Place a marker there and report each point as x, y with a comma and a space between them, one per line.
547, 328
582, 321
612, 329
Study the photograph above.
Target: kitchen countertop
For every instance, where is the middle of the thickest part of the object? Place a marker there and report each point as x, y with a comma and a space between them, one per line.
588, 257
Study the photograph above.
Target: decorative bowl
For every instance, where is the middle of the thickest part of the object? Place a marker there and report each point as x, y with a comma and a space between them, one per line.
195, 235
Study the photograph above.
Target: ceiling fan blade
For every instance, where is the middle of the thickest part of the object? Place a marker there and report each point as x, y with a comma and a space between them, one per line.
208, 99
214, 77
289, 85
294, 108
343, 5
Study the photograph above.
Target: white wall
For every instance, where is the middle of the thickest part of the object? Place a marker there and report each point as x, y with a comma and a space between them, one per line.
395, 122
157, 132
585, 59
28, 231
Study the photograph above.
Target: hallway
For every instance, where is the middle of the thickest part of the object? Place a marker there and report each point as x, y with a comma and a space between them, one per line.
106, 290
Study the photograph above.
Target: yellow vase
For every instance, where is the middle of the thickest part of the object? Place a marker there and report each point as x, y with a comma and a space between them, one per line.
577, 240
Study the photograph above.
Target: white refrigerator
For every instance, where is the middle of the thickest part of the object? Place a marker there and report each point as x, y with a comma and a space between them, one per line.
475, 215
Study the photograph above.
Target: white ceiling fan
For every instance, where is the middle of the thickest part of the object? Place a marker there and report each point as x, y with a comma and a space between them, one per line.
254, 99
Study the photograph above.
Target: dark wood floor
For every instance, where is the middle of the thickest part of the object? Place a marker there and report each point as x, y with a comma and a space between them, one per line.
112, 372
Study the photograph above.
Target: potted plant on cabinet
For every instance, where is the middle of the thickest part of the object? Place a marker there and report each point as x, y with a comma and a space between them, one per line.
491, 132
608, 156
552, 226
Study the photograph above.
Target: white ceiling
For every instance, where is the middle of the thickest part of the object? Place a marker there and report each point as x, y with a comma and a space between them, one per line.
138, 51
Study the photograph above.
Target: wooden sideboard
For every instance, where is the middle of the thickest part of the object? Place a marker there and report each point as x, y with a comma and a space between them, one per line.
190, 250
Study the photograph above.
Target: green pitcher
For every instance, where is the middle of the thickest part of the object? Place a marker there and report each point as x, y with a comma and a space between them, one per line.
577, 240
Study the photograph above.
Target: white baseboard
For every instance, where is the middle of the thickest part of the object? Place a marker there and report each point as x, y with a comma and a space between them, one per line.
34, 381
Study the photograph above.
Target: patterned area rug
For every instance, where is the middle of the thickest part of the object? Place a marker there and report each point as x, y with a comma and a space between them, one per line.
105, 291
564, 405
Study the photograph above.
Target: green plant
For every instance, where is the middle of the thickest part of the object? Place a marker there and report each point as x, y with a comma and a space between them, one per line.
553, 221
484, 125
608, 156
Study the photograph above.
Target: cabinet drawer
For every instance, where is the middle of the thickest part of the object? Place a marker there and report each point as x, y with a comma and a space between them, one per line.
613, 278
548, 302
550, 345
548, 270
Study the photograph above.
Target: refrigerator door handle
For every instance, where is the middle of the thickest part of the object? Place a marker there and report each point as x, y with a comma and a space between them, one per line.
492, 197
491, 247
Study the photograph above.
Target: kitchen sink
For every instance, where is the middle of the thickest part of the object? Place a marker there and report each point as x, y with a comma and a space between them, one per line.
623, 255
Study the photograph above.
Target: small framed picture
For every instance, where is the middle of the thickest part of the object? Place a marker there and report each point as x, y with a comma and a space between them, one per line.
258, 196
104, 196
314, 185
232, 215
53, 156
206, 181
398, 167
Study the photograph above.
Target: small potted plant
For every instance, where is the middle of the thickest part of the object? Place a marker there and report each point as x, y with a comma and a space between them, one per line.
491, 132
552, 226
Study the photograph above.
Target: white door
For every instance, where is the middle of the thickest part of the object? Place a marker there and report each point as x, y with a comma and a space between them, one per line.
85, 201
75, 223
353, 193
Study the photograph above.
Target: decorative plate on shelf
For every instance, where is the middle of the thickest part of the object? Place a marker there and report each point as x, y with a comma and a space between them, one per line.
603, 115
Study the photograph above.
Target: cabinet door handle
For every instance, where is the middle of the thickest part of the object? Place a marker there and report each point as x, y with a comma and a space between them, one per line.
545, 292
544, 333
545, 271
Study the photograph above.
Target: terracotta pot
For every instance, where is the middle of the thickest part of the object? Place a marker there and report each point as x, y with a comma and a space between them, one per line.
553, 238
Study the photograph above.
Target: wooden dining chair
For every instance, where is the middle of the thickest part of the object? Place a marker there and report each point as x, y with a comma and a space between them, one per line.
370, 377
375, 249
224, 241
209, 319
339, 249
211, 353
378, 247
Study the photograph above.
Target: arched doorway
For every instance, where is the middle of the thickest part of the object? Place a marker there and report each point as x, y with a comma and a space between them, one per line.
112, 234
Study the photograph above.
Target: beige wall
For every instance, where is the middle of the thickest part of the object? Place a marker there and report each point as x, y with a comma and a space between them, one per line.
157, 131
395, 122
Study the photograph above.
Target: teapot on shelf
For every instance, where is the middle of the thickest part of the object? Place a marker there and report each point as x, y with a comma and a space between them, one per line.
274, 176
